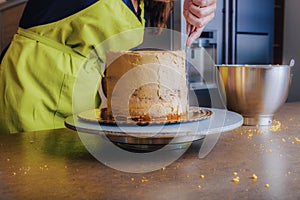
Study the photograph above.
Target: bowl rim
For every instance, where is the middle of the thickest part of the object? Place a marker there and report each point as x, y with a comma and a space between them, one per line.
253, 65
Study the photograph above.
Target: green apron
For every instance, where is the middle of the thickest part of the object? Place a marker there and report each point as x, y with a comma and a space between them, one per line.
53, 70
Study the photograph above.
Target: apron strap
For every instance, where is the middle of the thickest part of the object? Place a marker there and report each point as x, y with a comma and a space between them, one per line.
47, 41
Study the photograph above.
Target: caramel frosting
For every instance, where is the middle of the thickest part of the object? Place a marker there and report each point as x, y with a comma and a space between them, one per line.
146, 84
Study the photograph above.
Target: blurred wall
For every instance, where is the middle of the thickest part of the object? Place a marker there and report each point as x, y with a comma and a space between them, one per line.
291, 44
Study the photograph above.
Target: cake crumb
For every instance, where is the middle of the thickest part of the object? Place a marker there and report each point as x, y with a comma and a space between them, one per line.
254, 177
276, 126
267, 185
202, 176
144, 180
236, 179
199, 186
235, 173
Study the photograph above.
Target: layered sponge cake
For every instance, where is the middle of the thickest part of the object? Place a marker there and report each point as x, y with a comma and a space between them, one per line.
146, 85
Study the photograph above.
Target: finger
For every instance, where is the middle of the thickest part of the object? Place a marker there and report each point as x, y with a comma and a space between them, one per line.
186, 5
188, 28
199, 22
202, 11
193, 36
193, 29
204, 3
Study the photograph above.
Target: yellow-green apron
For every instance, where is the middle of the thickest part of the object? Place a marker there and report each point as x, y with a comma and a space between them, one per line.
49, 67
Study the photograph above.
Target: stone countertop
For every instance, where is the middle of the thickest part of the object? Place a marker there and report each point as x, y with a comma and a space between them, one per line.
246, 163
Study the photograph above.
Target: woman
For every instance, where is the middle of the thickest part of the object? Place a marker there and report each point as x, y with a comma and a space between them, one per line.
56, 38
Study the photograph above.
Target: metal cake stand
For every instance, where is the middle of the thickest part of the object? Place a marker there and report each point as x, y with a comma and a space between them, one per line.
149, 137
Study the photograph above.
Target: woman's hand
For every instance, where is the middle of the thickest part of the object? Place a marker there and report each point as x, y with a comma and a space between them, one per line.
197, 14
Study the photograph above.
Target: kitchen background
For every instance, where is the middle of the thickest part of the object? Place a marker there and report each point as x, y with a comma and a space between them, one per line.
242, 32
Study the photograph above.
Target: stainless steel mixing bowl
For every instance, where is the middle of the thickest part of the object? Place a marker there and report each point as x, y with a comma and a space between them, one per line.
254, 91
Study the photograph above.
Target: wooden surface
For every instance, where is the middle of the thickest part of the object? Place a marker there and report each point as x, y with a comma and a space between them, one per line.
55, 164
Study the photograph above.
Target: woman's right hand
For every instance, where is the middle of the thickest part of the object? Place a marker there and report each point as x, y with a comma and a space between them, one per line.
197, 13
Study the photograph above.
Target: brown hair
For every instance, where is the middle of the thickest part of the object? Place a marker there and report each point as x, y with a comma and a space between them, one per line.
158, 12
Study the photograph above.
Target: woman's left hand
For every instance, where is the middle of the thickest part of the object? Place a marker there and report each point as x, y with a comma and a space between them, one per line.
197, 13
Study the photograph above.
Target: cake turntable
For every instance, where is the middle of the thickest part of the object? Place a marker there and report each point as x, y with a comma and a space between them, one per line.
134, 136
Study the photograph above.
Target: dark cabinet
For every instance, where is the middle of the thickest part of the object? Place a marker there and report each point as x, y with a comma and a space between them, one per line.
255, 16
254, 31
253, 49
